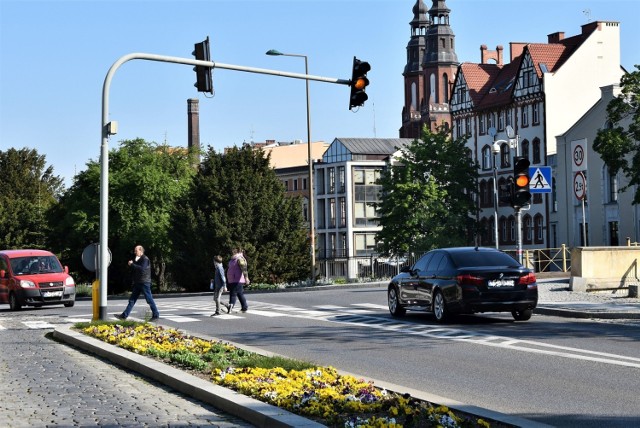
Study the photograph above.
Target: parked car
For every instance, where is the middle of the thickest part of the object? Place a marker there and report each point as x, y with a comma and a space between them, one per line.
464, 280
34, 278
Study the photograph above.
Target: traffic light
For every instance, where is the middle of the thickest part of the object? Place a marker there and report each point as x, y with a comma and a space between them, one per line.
358, 83
521, 194
204, 81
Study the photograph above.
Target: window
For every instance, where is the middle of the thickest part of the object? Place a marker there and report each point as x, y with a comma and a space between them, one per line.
467, 126
525, 115
321, 213
536, 150
536, 113
305, 209
295, 184
528, 232
503, 230
481, 124
459, 128
501, 121
304, 184
512, 229
538, 224
343, 211
504, 156
525, 149
341, 179
491, 121
332, 180
483, 193
320, 181
612, 186
614, 240
486, 157
286, 185
332, 212
507, 117
366, 193
365, 243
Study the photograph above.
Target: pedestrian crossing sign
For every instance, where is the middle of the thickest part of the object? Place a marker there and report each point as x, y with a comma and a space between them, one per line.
540, 179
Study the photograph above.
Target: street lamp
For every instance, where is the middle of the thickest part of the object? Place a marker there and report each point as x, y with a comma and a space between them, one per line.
495, 149
274, 52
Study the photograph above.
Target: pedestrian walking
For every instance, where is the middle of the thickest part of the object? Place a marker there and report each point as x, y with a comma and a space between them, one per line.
237, 278
218, 284
141, 268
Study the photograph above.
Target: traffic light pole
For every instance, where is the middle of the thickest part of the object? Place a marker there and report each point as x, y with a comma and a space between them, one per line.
519, 234
109, 128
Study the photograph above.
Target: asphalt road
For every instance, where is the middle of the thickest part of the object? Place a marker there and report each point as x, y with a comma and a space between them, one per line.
558, 371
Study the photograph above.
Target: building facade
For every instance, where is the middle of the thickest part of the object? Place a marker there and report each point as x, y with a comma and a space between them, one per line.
597, 210
517, 109
346, 187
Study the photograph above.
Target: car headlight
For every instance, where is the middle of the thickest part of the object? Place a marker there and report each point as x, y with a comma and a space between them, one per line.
69, 281
27, 284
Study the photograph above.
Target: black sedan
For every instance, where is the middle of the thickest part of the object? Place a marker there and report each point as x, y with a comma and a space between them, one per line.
464, 280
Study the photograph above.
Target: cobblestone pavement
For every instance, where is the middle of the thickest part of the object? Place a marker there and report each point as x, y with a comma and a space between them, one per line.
48, 384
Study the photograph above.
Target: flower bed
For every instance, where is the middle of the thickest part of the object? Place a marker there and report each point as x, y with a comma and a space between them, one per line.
318, 393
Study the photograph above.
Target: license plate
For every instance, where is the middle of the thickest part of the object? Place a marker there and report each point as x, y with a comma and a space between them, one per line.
501, 283
52, 294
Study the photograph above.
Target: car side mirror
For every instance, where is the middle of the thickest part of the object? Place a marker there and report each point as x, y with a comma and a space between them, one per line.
405, 269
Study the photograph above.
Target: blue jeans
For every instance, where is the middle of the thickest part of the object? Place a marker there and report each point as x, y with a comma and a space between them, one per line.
236, 289
141, 287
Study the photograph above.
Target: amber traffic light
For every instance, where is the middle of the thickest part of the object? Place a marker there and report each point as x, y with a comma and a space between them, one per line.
521, 194
359, 83
204, 81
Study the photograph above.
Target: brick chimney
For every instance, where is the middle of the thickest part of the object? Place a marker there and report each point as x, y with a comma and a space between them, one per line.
193, 141
486, 55
556, 37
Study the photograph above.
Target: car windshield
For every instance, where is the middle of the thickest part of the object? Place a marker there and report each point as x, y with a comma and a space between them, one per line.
483, 258
35, 264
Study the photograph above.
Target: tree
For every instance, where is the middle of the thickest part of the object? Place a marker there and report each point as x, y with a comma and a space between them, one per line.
427, 196
29, 189
145, 180
618, 146
236, 198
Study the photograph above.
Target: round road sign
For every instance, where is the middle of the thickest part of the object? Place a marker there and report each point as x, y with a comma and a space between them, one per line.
579, 185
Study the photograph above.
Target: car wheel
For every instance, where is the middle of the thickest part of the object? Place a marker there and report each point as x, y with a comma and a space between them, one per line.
394, 303
14, 305
69, 304
439, 307
522, 315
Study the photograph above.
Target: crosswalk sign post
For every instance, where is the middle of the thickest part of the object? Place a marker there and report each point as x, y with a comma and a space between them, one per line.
540, 179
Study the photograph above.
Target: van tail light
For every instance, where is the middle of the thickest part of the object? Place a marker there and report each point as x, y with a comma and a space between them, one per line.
527, 279
467, 279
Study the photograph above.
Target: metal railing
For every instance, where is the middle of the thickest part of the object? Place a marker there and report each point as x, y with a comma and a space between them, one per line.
376, 267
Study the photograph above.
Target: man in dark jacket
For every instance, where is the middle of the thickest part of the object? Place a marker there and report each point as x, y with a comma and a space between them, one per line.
141, 267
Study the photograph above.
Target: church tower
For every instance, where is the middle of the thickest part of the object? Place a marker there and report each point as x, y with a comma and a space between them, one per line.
439, 65
430, 71
413, 77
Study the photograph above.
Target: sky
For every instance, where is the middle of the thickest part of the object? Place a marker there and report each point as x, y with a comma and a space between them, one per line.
55, 55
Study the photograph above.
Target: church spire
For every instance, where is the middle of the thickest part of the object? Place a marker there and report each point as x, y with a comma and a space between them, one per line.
413, 76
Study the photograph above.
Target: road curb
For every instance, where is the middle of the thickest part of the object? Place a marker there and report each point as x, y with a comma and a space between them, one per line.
258, 413
569, 313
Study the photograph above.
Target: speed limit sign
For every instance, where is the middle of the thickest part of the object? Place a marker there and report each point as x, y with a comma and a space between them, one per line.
579, 185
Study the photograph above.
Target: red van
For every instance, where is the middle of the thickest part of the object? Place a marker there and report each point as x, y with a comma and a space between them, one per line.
34, 278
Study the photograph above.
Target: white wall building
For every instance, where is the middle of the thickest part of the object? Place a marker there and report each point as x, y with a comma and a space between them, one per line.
608, 216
